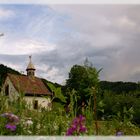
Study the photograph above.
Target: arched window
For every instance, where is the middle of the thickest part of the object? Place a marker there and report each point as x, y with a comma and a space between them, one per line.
7, 90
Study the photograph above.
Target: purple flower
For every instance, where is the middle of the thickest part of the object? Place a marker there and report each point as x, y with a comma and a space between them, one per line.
75, 121
82, 129
12, 121
69, 132
77, 126
74, 127
11, 127
82, 118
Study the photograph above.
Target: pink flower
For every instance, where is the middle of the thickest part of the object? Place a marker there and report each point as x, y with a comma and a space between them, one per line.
11, 117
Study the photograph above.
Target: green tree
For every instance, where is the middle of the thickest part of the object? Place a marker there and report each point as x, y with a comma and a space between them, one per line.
82, 79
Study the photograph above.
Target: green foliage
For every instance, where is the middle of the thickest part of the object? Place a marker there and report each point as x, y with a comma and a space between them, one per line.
120, 103
45, 81
82, 79
57, 93
101, 106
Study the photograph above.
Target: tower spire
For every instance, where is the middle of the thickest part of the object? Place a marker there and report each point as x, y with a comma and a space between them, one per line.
30, 57
30, 68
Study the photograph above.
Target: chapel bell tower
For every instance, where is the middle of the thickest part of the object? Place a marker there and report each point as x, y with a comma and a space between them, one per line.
30, 68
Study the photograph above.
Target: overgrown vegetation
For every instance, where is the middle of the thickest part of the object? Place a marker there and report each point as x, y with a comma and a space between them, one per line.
116, 108
58, 122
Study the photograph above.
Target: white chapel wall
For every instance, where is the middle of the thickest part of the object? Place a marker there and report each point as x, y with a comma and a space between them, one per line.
42, 101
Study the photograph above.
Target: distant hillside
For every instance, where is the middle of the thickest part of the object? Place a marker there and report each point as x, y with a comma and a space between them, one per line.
47, 81
119, 87
3, 72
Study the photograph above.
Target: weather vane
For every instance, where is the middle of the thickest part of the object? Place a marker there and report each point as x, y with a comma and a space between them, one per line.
1, 34
30, 57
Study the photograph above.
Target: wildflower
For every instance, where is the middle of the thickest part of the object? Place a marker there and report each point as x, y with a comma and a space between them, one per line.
119, 133
11, 127
12, 121
82, 129
77, 126
14, 118
28, 122
11, 117
82, 118
69, 132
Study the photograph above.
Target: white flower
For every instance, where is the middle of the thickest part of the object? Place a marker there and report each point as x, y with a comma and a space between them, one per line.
28, 123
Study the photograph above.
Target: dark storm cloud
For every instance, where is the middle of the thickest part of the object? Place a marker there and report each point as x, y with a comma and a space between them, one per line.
109, 36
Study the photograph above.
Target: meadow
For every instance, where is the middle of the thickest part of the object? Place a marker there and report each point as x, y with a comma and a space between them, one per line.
17, 119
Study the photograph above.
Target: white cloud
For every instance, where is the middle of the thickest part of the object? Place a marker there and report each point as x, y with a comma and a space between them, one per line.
15, 66
102, 39
51, 73
125, 22
91, 24
24, 46
5, 13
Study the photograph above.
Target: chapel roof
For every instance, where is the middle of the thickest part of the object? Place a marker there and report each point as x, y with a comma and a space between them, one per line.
28, 85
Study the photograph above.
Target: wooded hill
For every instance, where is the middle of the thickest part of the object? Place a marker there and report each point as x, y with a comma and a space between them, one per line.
115, 87
120, 87
3, 72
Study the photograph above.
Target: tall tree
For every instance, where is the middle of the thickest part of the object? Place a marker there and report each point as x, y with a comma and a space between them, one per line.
82, 79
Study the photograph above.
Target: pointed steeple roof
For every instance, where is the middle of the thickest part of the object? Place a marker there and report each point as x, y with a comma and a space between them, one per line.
30, 65
30, 68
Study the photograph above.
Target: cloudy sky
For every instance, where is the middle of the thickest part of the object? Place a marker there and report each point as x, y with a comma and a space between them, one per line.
59, 36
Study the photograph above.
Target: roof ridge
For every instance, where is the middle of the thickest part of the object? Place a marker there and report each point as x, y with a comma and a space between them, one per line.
23, 75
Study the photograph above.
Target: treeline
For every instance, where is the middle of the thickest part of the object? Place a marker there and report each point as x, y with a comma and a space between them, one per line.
3, 72
119, 87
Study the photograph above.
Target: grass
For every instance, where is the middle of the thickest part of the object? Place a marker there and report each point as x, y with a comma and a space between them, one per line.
56, 121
